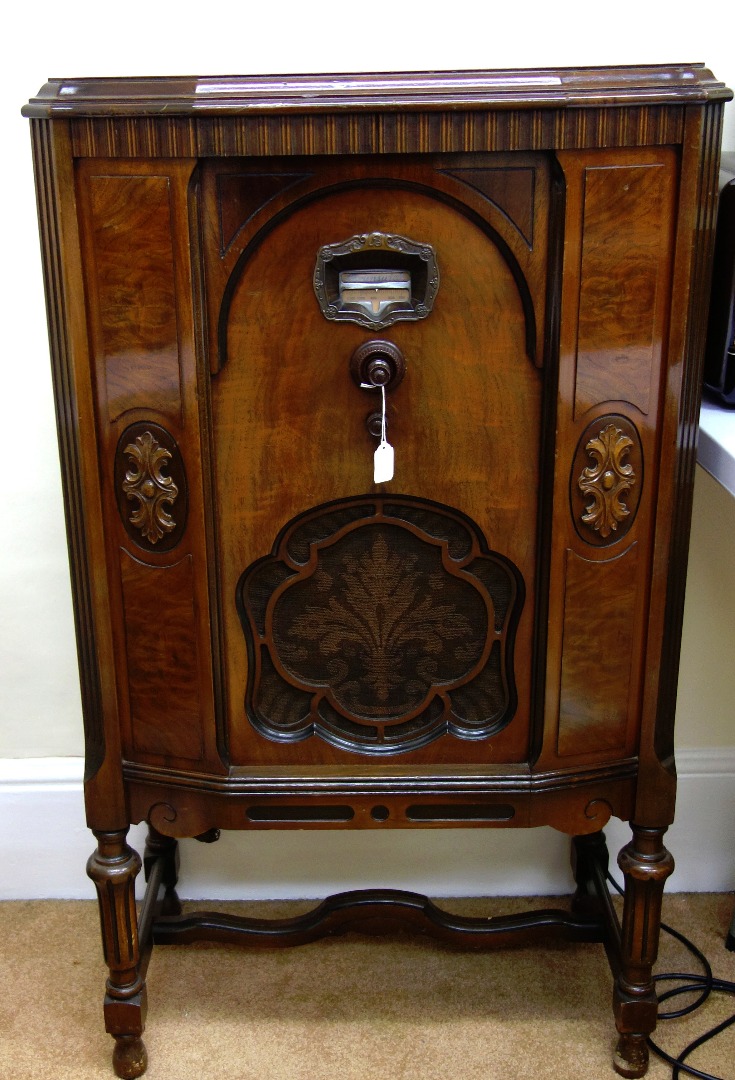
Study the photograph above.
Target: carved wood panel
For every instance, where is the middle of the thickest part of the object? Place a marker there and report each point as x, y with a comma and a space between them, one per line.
608, 407
138, 291
380, 624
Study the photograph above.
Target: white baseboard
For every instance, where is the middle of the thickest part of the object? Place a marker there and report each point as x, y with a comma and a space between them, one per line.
44, 845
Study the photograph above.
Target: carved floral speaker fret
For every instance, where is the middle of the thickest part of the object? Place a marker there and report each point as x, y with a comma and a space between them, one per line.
606, 480
380, 624
149, 480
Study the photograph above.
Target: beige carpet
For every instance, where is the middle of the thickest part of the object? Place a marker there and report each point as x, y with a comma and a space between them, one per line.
350, 1008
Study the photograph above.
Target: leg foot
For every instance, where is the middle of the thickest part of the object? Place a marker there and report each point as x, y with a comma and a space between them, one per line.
129, 1058
631, 1056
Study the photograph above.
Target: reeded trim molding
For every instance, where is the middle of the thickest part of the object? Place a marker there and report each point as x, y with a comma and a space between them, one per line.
286, 135
49, 218
688, 426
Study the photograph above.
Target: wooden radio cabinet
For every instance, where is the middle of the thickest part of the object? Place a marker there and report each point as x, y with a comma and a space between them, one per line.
377, 404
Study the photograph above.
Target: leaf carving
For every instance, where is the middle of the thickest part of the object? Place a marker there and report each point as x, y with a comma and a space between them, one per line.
147, 484
607, 481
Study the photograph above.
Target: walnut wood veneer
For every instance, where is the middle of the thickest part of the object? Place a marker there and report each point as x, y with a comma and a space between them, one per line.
237, 270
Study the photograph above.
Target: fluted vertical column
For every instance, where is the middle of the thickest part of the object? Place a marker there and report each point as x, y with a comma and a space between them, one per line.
646, 864
113, 868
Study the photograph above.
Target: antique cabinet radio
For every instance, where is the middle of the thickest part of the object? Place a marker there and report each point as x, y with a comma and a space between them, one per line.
377, 402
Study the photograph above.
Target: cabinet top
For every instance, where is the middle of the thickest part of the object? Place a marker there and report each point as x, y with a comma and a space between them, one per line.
503, 89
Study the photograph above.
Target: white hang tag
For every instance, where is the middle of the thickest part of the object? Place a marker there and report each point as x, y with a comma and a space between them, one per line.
384, 457
383, 463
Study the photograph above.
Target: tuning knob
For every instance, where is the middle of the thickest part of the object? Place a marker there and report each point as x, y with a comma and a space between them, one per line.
377, 363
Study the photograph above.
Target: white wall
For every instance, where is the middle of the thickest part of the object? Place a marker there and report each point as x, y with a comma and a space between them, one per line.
39, 699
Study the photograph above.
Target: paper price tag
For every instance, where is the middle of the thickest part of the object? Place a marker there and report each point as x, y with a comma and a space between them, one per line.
384, 456
383, 463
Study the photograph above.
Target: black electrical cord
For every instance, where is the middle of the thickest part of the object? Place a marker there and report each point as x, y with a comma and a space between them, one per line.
706, 984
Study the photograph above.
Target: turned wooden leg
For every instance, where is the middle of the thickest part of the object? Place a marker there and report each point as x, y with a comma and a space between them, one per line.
113, 868
646, 864
165, 848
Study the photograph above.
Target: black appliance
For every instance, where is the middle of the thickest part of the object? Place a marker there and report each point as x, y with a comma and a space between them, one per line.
719, 364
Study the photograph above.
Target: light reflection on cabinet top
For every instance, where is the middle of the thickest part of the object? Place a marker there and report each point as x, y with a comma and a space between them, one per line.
504, 89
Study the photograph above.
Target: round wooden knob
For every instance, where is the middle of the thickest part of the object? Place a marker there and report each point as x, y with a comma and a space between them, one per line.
377, 363
379, 371
374, 424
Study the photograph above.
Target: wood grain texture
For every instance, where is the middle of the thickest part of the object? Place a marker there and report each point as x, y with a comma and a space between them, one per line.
598, 638
645, 864
143, 331
447, 112
241, 196
163, 663
181, 803
428, 178
626, 215
594, 387
135, 306
113, 868
469, 393
511, 189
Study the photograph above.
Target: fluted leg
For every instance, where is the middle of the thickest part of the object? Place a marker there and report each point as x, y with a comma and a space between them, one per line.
113, 868
646, 864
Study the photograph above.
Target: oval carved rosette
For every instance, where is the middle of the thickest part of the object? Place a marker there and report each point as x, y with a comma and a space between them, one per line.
606, 480
150, 486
